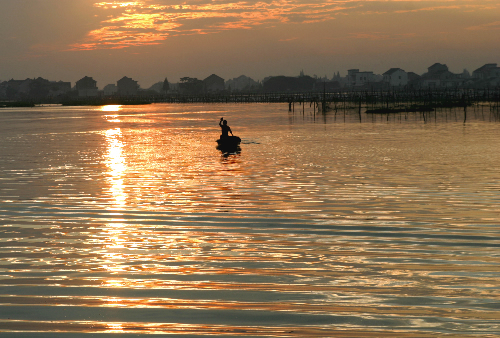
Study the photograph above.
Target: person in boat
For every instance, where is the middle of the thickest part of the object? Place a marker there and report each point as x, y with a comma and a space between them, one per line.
225, 128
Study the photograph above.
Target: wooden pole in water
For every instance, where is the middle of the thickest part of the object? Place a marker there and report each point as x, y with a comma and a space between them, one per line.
359, 110
465, 113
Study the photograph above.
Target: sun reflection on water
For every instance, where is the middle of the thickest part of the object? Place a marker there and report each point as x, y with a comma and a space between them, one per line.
111, 107
115, 161
115, 236
115, 328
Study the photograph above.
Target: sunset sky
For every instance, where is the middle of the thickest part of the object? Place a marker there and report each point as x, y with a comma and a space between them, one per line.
149, 40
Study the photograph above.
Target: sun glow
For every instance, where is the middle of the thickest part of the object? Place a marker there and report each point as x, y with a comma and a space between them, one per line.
111, 108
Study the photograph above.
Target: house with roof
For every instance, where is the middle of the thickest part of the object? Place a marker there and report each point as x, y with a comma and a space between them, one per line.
438, 76
489, 70
362, 78
356, 78
87, 87
127, 86
395, 77
213, 84
110, 89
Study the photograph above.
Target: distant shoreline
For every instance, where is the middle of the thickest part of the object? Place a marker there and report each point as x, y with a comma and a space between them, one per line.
16, 104
377, 101
124, 102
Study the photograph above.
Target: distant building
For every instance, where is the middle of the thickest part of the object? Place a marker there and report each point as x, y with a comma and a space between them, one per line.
38, 89
438, 76
214, 84
485, 76
110, 90
355, 78
489, 70
413, 80
437, 68
86, 83
351, 77
242, 83
86, 87
57, 88
127, 86
15, 89
363, 78
395, 77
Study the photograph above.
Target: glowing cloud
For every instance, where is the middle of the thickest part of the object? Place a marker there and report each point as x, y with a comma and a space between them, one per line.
138, 23
149, 22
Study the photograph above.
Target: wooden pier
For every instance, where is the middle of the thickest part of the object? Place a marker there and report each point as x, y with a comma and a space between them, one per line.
372, 101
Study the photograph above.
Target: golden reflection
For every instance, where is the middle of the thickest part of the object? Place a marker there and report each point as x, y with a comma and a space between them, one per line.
111, 107
115, 237
117, 166
115, 328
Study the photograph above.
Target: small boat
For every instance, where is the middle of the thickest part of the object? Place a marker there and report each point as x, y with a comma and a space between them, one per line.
229, 142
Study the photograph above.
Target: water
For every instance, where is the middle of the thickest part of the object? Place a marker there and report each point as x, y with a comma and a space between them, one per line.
128, 220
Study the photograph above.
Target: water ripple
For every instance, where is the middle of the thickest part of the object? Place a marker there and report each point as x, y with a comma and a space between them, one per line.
132, 222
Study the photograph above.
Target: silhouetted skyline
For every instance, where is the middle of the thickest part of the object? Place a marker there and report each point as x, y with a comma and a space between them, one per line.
144, 38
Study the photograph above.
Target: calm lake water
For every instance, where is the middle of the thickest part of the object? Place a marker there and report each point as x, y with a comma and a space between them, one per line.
128, 220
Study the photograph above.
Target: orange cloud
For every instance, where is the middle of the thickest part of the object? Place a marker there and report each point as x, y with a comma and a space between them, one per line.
149, 22
146, 22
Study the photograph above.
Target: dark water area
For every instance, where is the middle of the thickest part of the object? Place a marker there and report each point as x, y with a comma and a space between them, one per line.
128, 221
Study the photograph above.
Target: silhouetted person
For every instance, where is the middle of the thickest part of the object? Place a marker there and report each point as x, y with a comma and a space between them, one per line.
225, 128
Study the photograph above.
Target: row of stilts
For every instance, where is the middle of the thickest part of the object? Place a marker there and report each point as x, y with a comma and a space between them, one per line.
425, 106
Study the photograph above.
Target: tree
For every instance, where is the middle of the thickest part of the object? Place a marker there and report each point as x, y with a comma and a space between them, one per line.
166, 86
189, 85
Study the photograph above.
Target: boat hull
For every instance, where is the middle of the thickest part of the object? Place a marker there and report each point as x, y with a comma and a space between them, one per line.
230, 140
228, 143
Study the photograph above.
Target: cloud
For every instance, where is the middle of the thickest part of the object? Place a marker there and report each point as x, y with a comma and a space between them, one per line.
487, 26
150, 22
147, 22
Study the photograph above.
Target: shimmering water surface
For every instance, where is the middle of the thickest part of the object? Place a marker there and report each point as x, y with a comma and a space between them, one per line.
128, 220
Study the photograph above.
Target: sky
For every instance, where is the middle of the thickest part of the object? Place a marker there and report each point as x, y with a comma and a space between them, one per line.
150, 40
